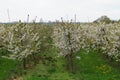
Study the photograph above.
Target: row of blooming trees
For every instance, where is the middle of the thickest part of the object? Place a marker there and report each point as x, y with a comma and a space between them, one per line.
23, 40
70, 38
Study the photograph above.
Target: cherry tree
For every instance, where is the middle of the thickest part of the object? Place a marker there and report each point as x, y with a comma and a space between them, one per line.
21, 40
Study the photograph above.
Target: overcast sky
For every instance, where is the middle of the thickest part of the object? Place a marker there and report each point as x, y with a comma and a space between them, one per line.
86, 10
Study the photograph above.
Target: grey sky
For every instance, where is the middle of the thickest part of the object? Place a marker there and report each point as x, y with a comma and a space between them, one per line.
86, 10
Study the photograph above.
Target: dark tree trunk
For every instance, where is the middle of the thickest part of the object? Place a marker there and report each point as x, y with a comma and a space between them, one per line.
24, 63
70, 54
34, 58
70, 65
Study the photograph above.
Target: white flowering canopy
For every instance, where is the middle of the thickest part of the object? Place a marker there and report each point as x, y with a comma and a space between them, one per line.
88, 36
20, 40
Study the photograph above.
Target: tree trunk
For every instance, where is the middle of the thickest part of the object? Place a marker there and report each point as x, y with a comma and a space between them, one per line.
24, 63
70, 65
34, 58
70, 53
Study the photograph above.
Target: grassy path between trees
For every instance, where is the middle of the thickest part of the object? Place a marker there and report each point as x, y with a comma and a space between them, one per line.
7, 67
90, 66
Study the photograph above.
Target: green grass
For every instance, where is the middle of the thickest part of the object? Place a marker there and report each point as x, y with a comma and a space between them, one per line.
91, 66
49, 71
7, 67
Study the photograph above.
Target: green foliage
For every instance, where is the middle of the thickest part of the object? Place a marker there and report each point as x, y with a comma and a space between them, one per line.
7, 68
103, 19
93, 66
90, 66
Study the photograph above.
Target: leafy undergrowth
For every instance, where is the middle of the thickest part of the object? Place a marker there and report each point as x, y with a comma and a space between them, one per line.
7, 68
90, 66
93, 66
